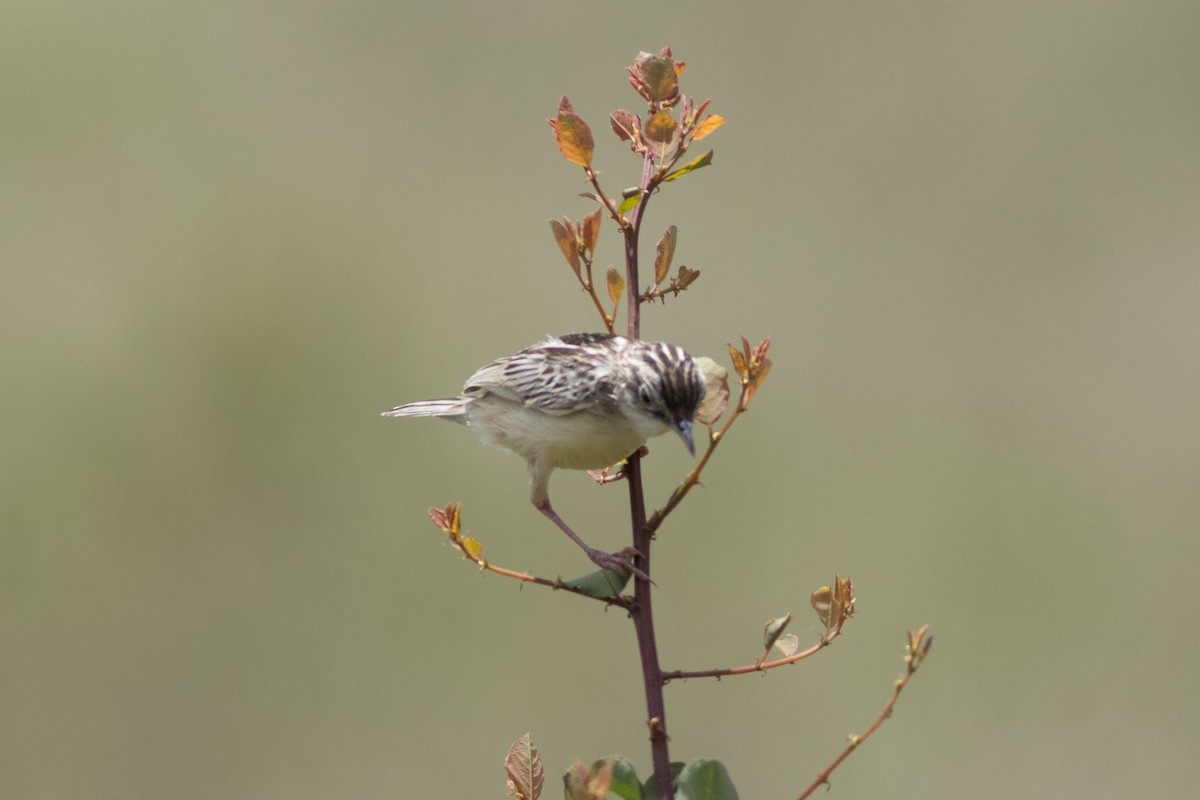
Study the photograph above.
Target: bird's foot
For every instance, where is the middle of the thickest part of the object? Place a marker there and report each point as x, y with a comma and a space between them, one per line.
620, 562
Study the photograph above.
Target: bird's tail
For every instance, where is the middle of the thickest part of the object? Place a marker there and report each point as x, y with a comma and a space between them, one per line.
450, 407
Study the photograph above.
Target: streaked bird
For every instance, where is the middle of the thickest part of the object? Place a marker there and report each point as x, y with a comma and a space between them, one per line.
579, 401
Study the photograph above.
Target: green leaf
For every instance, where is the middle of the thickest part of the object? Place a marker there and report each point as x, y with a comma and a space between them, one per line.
601, 583
774, 629
625, 783
650, 791
704, 779
691, 166
629, 202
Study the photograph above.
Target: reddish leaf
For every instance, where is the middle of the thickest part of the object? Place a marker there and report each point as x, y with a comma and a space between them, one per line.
591, 231
568, 241
616, 286
710, 124
685, 279
843, 595
624, 125
575, 782
759, 365
663, 255
660, 132
447, 519
524, 767
659, 77
573, 135
739, 361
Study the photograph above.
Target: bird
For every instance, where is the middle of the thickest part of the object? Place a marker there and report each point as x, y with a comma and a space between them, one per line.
578, 401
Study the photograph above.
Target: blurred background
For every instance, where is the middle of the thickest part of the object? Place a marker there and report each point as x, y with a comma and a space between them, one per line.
231, 234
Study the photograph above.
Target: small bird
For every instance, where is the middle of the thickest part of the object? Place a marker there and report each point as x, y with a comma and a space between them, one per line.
579, 401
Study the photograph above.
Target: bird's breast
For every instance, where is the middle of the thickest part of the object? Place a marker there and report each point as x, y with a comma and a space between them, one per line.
587, 439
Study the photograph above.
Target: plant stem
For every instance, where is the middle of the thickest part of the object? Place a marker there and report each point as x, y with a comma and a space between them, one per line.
642, 612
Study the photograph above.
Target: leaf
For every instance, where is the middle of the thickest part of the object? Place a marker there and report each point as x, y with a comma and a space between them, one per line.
658, 77
834, 606
616, 287
704, 779
752, 366
843, 595
716, 391
774, 629
919, 645
573, 135
760, 375
648, 788
624, 125
568, 241
822, 603
660, 133
601, 583
691, 166
471, 547
447, 519
739, 362
663, 255
685, 278
788, 645
575, 782
591, 231
707, 126
599, 780
624, 781
629, 202
524, 767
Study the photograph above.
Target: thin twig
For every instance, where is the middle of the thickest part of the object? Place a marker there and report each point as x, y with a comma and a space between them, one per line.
681, 491
621, 601
758, 666
918, 648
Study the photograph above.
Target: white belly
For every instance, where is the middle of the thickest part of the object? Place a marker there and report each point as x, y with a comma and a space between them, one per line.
580, 440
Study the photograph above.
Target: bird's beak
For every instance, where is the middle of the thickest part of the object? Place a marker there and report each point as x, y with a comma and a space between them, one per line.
684, 428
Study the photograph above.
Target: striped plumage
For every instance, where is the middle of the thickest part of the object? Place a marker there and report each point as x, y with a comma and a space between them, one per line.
580, 401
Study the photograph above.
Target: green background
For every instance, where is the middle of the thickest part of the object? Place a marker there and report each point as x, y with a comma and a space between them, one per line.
231, 234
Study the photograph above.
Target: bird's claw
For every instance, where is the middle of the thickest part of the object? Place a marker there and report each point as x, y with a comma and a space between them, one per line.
620, 562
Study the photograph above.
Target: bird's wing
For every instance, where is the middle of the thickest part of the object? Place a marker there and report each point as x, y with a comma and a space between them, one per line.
557, 377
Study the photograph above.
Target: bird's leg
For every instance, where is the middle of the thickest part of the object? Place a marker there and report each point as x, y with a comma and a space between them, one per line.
617, 562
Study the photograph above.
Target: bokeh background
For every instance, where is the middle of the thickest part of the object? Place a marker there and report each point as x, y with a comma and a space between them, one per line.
232, 233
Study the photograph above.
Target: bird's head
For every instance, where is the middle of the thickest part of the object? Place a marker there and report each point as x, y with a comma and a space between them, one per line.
668, 386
